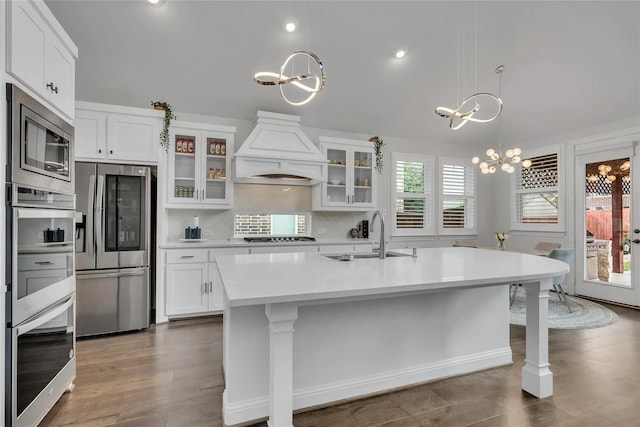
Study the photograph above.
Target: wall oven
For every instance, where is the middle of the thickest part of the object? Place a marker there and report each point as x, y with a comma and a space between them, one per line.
41, 296
41, 149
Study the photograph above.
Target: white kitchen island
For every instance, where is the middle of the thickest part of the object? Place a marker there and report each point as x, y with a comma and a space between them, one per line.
302, 330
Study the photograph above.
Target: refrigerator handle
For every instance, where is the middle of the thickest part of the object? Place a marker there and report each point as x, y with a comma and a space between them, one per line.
88, 231
98, 211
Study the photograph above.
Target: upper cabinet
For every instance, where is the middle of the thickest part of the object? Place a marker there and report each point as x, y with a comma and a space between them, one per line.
350, 183
41, 55
199, 169
110, 133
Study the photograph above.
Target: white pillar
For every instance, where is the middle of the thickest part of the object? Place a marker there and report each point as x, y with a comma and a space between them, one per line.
537, 379
281, 319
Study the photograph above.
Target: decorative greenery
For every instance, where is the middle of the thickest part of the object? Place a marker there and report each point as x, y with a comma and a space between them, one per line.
168, 116
501, 236
377, 144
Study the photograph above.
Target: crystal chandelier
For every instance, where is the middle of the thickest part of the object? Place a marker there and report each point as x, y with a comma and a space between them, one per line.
317, 77
496, 159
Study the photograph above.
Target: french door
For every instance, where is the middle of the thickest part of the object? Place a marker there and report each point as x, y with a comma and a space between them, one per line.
608, 225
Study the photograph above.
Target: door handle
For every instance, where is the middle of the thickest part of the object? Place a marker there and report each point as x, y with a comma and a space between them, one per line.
205, 287
50, 263
637, 230
636, 241
53, 87
187, 256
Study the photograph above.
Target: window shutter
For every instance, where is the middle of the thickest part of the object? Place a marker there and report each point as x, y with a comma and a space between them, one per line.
412, 188
537, 191
458, 188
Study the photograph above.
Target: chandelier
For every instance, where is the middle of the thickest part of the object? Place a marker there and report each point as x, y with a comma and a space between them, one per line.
309, 82
495, 158
468, 109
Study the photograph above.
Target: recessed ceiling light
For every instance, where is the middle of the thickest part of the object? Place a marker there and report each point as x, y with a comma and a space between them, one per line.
156, 2
290, 25
400, 52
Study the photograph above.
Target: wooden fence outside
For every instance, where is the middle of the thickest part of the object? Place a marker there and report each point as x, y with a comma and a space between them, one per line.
600, 224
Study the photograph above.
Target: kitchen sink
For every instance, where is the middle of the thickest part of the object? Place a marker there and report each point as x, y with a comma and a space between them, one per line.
360, 255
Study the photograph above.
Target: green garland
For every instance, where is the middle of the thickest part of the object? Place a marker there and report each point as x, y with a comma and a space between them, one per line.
168, 116
377, 145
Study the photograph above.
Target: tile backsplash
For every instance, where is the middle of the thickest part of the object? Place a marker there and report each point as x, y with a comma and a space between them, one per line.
218, 225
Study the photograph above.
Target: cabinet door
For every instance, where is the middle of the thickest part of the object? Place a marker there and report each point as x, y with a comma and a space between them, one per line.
133, 138
336, 189
186, 288
26, 45
215, 182
216, 293
60, 74
90, 135
362, 178
184, 167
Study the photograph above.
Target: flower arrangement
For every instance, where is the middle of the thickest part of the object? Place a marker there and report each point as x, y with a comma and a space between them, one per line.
168, 116
501, 236
377, 145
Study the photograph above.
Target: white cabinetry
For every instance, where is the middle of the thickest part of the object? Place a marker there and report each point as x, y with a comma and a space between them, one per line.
199, 166
41, 55
351, 180
111, 133
192, 283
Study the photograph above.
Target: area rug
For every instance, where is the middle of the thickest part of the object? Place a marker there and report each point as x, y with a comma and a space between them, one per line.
584, 314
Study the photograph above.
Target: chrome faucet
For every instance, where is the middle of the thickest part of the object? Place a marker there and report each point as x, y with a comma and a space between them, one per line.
383, 253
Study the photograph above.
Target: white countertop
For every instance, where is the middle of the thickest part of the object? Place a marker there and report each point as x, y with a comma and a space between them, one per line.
295, 277
235, 243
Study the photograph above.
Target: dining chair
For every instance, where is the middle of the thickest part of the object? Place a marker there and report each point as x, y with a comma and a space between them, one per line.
465, 243
563, 255
556, 253
546, 246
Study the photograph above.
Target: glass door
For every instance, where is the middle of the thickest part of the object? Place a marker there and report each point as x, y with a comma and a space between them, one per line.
336, 186
216, 169
185, 163
124, 207
607, 226
362, 177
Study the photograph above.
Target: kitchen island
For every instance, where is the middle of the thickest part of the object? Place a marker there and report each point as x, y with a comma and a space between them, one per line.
302, 330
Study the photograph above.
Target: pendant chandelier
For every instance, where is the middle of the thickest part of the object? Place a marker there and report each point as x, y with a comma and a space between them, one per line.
314, 74
469, 109
496, 159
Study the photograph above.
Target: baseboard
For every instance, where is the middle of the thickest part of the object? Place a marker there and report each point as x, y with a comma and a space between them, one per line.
323, 395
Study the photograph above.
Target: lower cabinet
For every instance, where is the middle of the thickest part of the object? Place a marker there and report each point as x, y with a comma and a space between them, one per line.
192, 284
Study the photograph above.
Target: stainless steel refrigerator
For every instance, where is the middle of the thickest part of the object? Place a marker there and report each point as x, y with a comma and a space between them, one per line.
112, 247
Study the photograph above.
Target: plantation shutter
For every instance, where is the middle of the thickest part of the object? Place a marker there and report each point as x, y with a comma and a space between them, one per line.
412, 194
537, 190
458, 194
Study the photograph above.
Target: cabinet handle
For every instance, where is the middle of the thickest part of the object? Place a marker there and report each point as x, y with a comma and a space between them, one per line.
43, 262
202, 194
52, 87
211, 286
187, 256
110, 151
99, 150
204, 287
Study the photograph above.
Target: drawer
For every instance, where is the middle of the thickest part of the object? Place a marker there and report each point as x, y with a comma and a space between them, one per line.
44, 262
226, 251
180, 256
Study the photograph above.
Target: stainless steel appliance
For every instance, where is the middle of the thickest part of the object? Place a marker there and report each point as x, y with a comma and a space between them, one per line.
112, 247
40, 335
41, 152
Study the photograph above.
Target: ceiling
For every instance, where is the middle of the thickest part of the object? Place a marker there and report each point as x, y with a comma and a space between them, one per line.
569, 65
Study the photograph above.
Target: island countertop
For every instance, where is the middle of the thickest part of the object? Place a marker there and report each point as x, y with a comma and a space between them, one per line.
296, 277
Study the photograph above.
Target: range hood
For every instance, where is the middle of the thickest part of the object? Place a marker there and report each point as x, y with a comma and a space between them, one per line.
277, 149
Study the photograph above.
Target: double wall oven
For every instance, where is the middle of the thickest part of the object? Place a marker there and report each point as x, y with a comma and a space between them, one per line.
40, 266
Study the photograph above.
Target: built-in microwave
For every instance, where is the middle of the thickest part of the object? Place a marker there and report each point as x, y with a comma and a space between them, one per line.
41, 149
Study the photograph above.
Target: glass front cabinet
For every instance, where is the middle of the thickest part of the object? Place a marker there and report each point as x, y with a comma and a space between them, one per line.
351, 179
200, 166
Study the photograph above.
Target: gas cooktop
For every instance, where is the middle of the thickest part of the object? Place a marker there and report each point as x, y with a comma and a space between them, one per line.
280, 239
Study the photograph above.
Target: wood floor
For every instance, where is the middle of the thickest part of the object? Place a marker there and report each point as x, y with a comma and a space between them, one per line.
170, 376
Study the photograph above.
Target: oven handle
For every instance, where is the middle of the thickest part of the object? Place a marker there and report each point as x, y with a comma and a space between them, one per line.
46, 316
98, 212
88, 231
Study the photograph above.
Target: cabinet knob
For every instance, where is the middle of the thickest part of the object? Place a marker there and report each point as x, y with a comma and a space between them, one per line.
53, 87
110, 151
99, 150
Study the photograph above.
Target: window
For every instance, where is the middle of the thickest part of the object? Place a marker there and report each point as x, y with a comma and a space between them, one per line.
270, 224
412, 188
537, 196
457, 197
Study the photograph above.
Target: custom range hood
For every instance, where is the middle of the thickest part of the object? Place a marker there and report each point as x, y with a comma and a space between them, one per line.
278, 150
